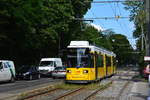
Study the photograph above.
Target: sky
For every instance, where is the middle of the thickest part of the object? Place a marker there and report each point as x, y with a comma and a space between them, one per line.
120, 26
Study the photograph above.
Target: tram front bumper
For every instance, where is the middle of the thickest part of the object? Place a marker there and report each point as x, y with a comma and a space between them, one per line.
79, 81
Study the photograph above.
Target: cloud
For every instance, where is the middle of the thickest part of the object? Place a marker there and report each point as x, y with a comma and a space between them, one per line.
132, 26
98, 27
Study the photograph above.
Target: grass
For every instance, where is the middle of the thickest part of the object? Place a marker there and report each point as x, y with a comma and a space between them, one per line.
90, 86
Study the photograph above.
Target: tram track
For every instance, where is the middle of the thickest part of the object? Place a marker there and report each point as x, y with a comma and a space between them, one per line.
56, 94
70, 93
114, 92
89, 93
30, 97
98, 90
65, 94
111, 90
122, 90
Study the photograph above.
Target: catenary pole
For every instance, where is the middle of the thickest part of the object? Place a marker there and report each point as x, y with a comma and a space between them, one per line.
147, 8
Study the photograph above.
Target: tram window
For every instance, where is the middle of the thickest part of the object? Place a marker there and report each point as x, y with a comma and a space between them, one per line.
80, 62
79, 57
91, 60
72, 62
100, 60
108, 61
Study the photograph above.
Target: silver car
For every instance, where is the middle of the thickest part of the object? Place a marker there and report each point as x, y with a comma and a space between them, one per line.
59, 72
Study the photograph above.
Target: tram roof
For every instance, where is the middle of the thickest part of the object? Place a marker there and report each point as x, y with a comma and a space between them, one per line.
85, 44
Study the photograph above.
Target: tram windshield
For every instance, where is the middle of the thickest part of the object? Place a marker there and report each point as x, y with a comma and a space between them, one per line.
78, 57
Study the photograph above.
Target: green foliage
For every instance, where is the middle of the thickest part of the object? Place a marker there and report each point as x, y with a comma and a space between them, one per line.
122, 48
108, 39
31, 29
37, 27
138, 16
134, 8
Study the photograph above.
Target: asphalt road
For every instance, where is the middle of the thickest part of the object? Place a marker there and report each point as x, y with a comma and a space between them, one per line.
22, 85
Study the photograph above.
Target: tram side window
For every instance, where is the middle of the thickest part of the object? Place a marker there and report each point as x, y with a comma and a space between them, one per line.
108, 61
91, 60
100, 60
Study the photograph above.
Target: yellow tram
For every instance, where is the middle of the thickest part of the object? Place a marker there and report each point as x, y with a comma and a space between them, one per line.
87, 63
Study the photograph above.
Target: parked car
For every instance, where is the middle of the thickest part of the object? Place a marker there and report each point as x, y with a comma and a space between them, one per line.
28, 72
47, 65
7, 71
59, 72
145, 75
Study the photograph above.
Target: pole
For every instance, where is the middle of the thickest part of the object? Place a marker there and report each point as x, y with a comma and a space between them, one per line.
143, 37
147, 2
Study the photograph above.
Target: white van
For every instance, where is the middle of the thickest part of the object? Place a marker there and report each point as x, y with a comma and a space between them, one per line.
47, 65
7, 71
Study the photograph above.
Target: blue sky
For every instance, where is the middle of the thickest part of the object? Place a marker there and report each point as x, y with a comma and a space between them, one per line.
121, 26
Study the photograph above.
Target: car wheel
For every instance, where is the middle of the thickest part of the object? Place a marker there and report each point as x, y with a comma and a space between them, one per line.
30, 77
12, 79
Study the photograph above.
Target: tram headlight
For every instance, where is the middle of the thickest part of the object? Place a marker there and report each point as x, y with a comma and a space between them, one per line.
68, 71
85, 71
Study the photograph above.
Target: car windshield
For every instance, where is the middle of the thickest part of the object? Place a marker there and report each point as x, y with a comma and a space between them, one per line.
46, 63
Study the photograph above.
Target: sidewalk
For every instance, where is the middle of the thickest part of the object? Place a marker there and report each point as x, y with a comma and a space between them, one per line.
139, 91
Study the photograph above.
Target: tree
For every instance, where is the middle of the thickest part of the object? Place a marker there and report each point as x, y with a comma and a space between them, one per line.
138, 16
94, 36
32, 29
122, 48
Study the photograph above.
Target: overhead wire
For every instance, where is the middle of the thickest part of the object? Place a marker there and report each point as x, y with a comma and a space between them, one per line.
131, 39
99, 20
121, 25
117, 20
124, 24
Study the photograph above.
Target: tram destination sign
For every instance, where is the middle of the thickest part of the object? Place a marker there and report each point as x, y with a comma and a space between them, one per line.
147, 58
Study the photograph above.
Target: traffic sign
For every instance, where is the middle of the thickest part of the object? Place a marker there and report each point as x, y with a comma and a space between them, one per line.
147, 58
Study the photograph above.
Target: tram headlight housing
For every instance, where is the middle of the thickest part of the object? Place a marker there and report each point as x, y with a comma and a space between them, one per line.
68, 71
85, 71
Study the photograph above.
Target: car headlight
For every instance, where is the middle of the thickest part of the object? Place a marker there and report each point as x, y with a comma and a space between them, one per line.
26, 73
